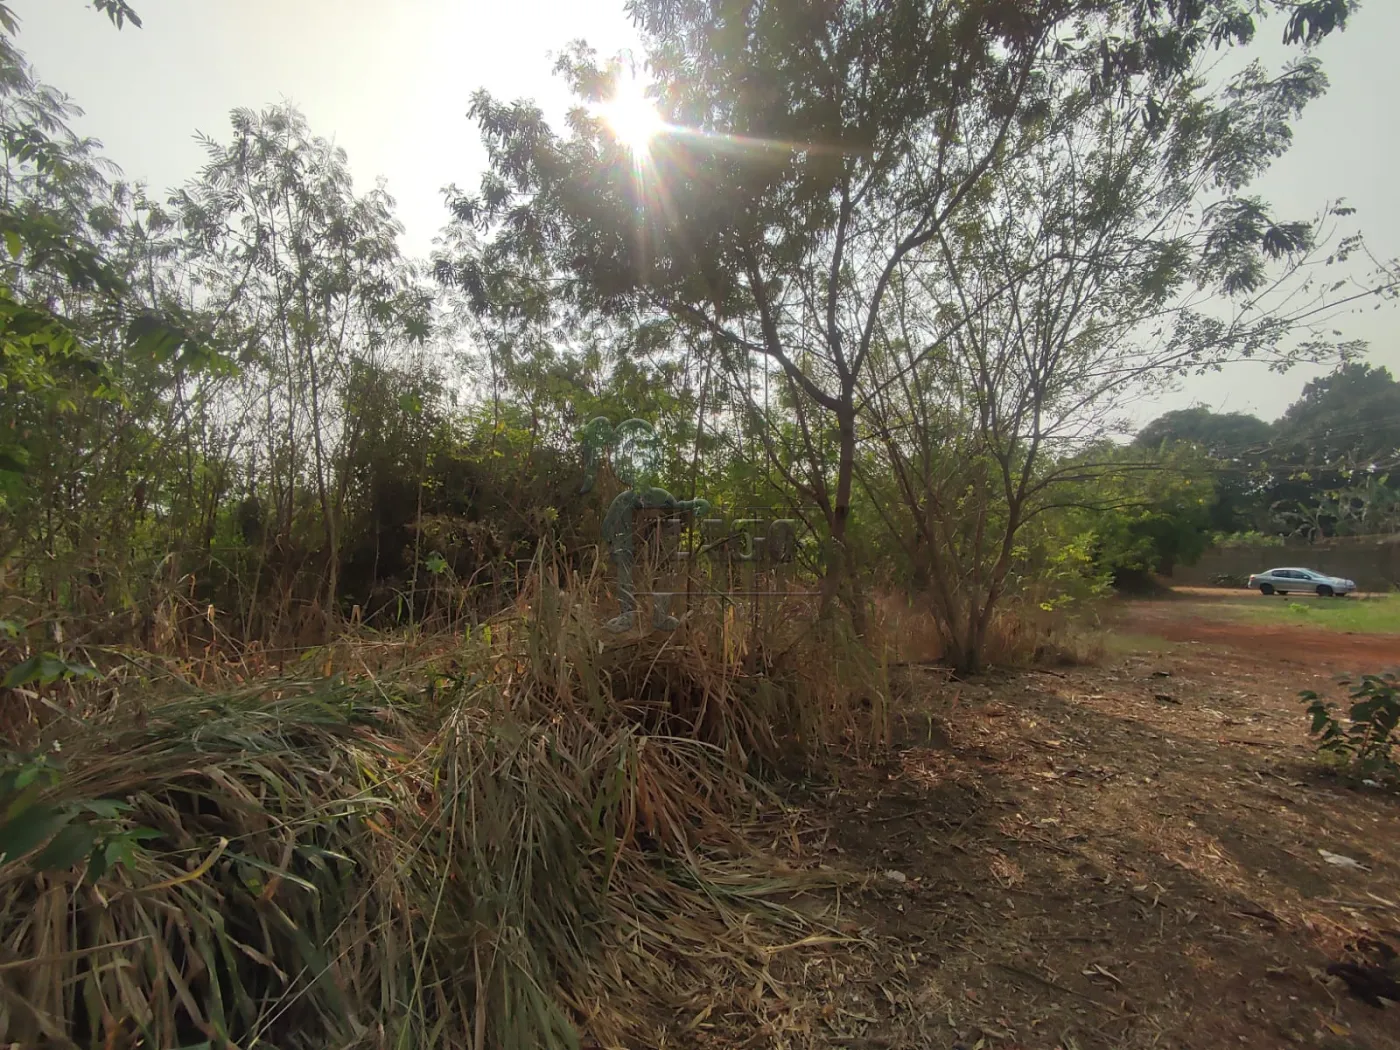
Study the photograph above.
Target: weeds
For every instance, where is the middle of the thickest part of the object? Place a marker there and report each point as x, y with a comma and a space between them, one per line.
1364, 746
502, 846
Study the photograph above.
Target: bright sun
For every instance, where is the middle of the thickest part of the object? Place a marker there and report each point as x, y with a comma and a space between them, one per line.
631, 116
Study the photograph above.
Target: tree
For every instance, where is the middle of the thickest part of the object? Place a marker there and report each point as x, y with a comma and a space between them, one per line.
1334, 453
309, 276
1237, 444
1223, 435
1151, 519
810, 152
1114, 251
79, 346
1353, 411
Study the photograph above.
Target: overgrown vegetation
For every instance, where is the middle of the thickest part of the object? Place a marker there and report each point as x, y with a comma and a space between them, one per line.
481, 848
237, 405
315, 738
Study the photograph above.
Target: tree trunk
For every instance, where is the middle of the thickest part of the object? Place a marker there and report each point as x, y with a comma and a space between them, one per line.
841, 582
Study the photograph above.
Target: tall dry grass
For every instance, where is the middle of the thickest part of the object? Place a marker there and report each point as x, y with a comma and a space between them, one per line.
529, 836
1022, 634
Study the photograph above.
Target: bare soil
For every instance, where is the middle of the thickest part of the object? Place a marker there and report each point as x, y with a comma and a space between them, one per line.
1188, 617
1123, 856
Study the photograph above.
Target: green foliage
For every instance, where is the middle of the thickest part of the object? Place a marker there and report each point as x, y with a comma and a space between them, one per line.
1325, 468
1246, 539
1146, 513
65, 832
1364, 740
238, 410
119, 11
44, 669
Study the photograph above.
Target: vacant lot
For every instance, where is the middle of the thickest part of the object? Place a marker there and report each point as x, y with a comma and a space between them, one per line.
1123, 856
1341, 634
1365, 613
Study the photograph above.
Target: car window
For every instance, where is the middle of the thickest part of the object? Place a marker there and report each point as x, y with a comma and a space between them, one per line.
1282, 574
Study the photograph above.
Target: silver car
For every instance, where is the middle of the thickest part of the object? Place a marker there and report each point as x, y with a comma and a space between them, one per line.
1281, 581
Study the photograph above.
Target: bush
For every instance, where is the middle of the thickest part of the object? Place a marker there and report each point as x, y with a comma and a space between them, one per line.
1245, 539
1364, 746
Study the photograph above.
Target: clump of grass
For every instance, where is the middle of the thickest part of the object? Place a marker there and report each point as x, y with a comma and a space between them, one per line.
1022, 635
499, 849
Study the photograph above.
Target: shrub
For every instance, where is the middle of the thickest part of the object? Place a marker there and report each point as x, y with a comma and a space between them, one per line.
1246, 539
1365, 744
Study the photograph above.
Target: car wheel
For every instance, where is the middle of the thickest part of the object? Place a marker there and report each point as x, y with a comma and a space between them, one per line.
1324, 591
1283, 592
1266, 588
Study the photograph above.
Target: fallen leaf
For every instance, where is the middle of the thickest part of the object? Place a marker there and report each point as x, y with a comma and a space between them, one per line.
1340, 861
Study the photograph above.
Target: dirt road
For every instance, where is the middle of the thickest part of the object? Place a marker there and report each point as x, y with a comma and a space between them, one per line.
1142, 854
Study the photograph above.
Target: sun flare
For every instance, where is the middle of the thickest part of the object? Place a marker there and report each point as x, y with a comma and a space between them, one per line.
631, 116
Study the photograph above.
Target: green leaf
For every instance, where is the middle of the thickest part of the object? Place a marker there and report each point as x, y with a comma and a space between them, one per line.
44, 668
13, 244
68, 847
30, 829
23, 673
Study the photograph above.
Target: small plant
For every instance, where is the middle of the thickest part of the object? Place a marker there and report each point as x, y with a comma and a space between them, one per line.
1365, 744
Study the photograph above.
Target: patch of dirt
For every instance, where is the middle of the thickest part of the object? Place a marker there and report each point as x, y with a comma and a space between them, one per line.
1112, 858
1297, 646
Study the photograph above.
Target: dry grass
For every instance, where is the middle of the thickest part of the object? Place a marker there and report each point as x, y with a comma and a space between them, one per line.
908, 629
501, 845
1021, 635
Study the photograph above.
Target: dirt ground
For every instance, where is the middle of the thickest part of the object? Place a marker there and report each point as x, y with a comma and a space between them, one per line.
1129, 855
1186, 616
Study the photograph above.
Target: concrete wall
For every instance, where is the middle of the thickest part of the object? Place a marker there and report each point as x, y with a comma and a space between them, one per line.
1374, 563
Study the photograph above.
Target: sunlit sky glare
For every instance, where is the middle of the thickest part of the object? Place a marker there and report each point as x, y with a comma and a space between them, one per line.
390, 81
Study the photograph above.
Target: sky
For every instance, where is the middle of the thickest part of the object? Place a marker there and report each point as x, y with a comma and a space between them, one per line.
391, 81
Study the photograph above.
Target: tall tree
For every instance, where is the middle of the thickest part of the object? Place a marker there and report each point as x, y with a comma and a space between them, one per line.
807, 154
1354, 411
309, 274
1221, 434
